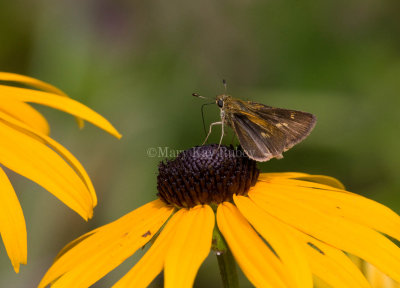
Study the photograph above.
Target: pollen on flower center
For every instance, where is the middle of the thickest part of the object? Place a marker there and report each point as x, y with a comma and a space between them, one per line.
205, 175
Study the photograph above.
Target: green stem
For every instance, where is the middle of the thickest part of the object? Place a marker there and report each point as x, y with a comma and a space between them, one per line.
226, 262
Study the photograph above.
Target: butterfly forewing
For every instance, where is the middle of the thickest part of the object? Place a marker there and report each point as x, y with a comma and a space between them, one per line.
296, 125
265, 132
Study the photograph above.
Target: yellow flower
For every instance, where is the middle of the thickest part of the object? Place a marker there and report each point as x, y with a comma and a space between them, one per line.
282, 228
26, 148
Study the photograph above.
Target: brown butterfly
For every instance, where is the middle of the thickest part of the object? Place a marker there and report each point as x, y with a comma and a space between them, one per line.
264, 132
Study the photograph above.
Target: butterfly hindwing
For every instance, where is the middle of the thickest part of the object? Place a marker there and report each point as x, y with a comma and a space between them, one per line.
259, 142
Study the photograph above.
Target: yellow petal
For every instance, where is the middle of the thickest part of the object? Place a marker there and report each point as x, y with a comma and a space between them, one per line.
285, 175
34, 160
340, 203
71, 160
326, 262
12, 223
191, 245
330, 264
35, 83
99, 253
322, 179
181, 247
26, 114
57, 102
75, 242
152, 263
379, 279
25, 80
338, 232
302, 183
288, 248
257, 261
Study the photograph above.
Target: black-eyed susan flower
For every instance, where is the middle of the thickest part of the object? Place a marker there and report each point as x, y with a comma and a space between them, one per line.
281, 228
26, 148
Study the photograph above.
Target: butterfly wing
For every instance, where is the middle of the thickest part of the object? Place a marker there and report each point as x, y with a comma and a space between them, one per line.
259, 143
296, 125
265, 132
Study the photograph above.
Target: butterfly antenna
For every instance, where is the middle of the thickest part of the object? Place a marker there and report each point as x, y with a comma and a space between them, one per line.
202, 117
202, 109
199, 96
224, 83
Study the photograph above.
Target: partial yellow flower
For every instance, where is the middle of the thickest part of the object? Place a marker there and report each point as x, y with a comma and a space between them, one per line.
282, 228
26, 148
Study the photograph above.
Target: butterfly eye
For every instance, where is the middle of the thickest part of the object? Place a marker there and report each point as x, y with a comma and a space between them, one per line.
220, 103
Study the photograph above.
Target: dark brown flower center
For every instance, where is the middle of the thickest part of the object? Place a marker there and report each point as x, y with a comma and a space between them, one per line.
205, 175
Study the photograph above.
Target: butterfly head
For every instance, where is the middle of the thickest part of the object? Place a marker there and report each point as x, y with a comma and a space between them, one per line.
221, 100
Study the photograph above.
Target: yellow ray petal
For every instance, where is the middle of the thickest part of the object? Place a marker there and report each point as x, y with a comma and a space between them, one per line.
285, 175
99, 253
341, 204
74, 242
288, 248
12, 223
71, 160
57, 102
257, 261
26, 114
32, 159
191, 245
152, 263
326, 262
377, 278
322, 179
341, 233
35, 83
25, 80
302, 183
330, 264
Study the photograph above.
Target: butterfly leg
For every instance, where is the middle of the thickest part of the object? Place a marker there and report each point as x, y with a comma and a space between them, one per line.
209, 132
222, 134
222, 127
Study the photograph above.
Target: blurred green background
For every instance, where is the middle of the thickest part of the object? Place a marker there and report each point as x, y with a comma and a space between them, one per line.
138, 62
